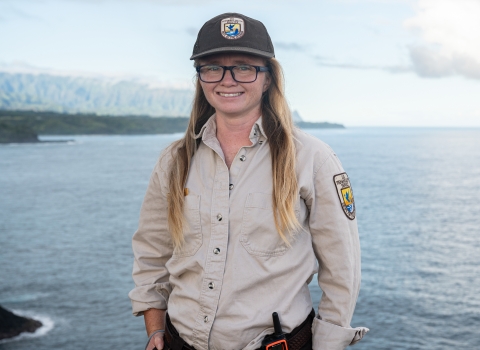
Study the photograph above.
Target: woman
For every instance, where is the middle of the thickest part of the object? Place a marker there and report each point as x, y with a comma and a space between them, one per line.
239, 211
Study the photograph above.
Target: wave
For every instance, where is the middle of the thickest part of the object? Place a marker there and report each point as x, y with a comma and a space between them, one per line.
20, 298
47, 326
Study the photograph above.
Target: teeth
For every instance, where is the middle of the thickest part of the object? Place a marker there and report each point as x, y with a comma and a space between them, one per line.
230, 95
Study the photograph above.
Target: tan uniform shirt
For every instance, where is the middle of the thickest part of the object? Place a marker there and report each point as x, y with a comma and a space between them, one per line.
234, 269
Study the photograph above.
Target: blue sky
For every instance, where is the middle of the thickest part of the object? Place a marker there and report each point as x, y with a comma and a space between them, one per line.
356, 62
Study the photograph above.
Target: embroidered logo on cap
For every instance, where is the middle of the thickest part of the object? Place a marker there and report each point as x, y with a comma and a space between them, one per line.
345, 194
232, 28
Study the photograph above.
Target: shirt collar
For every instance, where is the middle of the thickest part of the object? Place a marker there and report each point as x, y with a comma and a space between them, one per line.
257, 130
209, 129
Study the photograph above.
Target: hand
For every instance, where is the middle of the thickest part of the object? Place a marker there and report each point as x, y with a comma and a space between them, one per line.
155, 321
156, 342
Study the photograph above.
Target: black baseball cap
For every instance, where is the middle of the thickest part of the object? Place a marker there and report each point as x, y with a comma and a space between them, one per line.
233, 32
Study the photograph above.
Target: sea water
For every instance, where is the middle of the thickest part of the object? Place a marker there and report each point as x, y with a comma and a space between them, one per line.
68, 211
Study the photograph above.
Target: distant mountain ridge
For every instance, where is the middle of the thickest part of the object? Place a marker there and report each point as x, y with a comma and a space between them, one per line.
76, 94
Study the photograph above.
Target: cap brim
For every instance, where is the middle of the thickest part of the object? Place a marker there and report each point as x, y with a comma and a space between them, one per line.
234, 49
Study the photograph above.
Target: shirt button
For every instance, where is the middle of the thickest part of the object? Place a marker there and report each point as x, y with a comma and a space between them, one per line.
219, 217
205, 319
230, 187
216, 251
260, 142
242, 158
211, 285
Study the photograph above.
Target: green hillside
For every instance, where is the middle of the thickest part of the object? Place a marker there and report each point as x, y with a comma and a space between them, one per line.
17, 123
10, 132
25, 126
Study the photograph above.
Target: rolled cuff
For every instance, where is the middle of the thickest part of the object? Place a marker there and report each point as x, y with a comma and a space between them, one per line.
153, 296
328, 336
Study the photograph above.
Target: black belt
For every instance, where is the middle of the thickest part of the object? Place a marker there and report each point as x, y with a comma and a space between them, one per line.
299, 339
173, 341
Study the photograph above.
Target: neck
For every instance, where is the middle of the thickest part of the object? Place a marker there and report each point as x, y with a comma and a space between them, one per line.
235, 128
233, 134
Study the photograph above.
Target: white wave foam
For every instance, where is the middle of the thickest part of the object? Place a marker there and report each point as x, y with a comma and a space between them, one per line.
47, 326
20, 298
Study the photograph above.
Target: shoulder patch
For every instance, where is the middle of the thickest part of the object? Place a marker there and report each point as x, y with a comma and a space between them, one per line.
345, 194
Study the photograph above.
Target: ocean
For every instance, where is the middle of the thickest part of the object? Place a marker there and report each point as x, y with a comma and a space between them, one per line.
68, 211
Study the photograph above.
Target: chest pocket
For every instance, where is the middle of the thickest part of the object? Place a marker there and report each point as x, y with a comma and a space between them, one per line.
259, 235
192, 229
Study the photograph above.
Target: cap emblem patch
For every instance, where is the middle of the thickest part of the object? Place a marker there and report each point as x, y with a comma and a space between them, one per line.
345, 194
232, 28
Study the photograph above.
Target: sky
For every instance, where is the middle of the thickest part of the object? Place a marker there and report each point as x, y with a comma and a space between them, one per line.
355, 62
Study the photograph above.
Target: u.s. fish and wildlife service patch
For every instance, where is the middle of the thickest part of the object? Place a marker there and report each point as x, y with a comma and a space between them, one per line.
232, 28
345, 194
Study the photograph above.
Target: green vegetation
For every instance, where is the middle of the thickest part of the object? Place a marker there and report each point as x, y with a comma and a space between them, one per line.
13, 124
24, 126
16, 133
323, 125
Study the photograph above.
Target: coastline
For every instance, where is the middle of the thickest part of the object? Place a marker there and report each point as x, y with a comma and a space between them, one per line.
26, 126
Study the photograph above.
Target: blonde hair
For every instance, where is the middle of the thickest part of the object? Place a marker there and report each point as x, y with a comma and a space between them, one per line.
278, 126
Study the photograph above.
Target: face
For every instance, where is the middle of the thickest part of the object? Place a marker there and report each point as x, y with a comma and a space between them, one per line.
230, 98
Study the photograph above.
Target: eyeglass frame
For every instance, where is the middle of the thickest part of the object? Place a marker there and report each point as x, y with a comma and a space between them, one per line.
230, 68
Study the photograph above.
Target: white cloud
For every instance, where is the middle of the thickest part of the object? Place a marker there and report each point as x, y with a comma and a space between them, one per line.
395, 69
290, 46
19, 67
450, 38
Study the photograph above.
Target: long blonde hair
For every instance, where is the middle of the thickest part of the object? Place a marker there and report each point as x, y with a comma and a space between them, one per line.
278, 126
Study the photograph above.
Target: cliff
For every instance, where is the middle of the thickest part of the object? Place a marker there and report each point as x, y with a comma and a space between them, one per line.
87, 95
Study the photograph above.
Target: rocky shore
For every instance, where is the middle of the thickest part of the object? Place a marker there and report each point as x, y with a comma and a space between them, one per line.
12, 325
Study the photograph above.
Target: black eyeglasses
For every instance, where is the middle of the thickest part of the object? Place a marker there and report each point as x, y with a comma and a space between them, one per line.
245, 73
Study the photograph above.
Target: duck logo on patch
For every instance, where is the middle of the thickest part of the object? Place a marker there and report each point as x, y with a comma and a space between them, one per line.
232, 28
345, 194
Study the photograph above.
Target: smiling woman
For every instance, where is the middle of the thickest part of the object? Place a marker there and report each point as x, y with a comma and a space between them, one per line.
239, 212
233, 84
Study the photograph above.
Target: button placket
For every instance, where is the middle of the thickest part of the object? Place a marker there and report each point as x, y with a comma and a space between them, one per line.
215, 264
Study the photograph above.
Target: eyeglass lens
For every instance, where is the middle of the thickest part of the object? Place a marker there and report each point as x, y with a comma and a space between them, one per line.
242, 74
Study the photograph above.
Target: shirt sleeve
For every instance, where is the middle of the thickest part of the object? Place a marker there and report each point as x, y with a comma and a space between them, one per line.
152, 248
337, 248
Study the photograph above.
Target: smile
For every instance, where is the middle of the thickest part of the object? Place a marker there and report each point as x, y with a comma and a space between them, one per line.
230, 95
